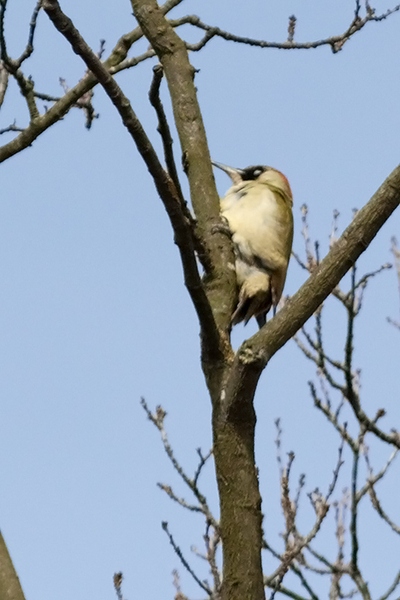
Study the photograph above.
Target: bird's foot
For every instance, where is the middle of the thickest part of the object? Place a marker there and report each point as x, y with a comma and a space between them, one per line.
222, 227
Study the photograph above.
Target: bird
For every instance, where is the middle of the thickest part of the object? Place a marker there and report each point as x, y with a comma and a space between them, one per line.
258, 212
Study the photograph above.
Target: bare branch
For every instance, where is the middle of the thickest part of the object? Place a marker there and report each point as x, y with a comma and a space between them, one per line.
32, 26
291, 28
342, 429
336, 42
340, 527
350, 392
117, 579
293, 568
212, 544
354, 505
288, 507
392, 588
286, 592
158, 420
10, 586
396, 253
331, 566
336, 471
3, 47
47, 97
291, 554
163, 128
361, 585
278, 443
357, 10
12, 127
168, 490
177, 585
373, 479
301, 484
365, 278
321, 357
163, 183
333, 235
377, 505
167, 141
25, 84
311, 258
115, 63
203, 460
221, 281
183, 560
3, 82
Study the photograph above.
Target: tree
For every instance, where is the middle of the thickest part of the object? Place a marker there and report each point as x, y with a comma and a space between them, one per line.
231, 377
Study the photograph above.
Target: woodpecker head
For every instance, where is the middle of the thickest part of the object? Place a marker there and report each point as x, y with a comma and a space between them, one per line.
262, 174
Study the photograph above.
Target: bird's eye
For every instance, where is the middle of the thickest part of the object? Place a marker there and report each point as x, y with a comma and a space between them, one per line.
252, 173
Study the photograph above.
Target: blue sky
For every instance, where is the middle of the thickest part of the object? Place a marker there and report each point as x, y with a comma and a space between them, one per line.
94, 313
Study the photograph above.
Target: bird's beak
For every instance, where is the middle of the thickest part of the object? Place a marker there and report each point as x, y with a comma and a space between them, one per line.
235, 174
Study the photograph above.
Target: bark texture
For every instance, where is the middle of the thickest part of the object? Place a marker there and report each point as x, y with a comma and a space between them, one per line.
10, 587
240, 499
180, 74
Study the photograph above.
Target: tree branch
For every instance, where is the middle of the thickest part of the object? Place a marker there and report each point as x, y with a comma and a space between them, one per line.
183, 560
162, 181
10, 587
396, 253
167, 141
116, 62
172, 53
255, 353
335, 42
158, 420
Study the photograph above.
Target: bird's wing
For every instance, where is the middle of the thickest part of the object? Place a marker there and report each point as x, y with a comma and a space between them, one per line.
262, 225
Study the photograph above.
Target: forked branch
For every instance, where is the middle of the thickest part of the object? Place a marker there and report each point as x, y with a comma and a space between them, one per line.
164, 184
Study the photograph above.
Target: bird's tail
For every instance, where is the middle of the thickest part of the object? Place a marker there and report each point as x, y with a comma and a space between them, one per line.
254, 299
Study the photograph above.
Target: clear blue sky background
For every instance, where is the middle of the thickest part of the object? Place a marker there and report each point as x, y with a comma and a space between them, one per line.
94, 313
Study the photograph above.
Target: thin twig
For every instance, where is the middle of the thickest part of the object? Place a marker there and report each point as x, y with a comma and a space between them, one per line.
183, 560
4, 75
167, 141
336, 42
12, 127
212, 544
336, 471
158, 420
350, 392
114, 63
396, 253
293, 568
322, 559
203, 460
354, 505
373, 479
183, 237
342, 429
163, 128
181, 501
289, 555
32, 26
118, 577
392, 588
278, 444
377, 505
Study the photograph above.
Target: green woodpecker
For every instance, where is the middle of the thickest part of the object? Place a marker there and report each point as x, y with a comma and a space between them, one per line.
258, 209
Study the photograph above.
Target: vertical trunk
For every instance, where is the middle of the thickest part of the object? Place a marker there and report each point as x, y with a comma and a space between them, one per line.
234, 423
